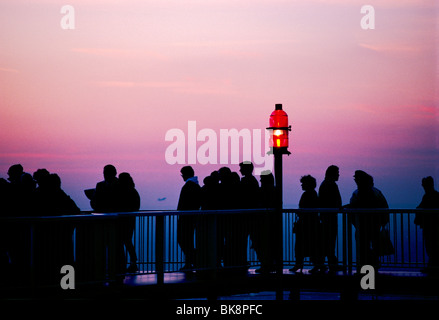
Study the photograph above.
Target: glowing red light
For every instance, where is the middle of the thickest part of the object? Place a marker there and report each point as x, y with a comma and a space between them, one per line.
279, 125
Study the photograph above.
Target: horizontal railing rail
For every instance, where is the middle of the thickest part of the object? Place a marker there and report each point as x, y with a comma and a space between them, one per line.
96, 243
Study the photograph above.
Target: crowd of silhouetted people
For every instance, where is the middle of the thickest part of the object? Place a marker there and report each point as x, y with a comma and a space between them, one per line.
51, 243
37, 249
316, 233
223, 190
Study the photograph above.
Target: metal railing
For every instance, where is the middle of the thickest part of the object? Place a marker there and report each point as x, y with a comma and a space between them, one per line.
224, 239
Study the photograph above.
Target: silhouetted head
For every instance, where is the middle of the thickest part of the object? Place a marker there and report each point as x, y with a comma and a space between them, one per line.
125, 180
224, 173
15, 171
246, 168
267, 179
41, 176
109, 172
54, 181
428, 184
27, 182
187, 172
363, 179
234, 177
332, 173
308, 183
214, 175
207, 181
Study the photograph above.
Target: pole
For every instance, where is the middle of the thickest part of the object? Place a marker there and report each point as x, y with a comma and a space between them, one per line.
279, 207
278, 219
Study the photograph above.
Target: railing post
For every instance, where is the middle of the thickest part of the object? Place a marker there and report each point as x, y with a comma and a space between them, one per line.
32, 256
212, 245
344, 242
159, 248
349, 242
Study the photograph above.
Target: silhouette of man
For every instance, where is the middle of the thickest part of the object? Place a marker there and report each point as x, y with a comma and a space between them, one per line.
249, 186
106, 197
430, 224
367, 226
249, 199
186, 226
94, 238
329, 197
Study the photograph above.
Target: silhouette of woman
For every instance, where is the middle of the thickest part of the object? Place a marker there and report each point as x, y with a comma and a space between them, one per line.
307, 229
129, 201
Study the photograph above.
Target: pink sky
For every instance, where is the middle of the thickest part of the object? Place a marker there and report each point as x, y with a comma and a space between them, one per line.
73, 101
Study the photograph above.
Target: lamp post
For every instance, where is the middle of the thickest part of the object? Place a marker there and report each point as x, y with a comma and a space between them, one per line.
279, 147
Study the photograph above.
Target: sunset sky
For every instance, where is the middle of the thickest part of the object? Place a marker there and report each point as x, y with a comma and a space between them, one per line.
108, 91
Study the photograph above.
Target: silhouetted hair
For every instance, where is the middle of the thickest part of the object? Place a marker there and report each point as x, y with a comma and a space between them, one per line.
246, 167
215, 176
309, 181
224, 173
428, 182
15, 171
363, 179
267, 179
41, 176
125, 179
54, 181
110, 171
234, 177
331, 171
187, 171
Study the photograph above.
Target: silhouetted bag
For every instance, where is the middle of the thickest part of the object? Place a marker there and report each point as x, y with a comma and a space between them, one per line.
386, 246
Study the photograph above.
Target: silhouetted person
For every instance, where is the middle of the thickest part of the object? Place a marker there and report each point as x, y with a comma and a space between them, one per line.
308, 228
249, 186
249, 199
106, 196
207, 225
368, 225
430, 224
20, 191
53, 240
230, 228
210, 192
129, 201
186, 227
241, 224
5, 267
41, 177
229, 184
95, 237
329, 197
21, 188
265, 231
51, 200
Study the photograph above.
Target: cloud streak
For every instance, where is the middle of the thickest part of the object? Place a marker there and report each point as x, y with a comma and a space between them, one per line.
191, 87
10, 70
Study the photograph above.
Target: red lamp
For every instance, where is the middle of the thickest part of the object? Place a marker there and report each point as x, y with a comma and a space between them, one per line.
279, 147
280, 127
